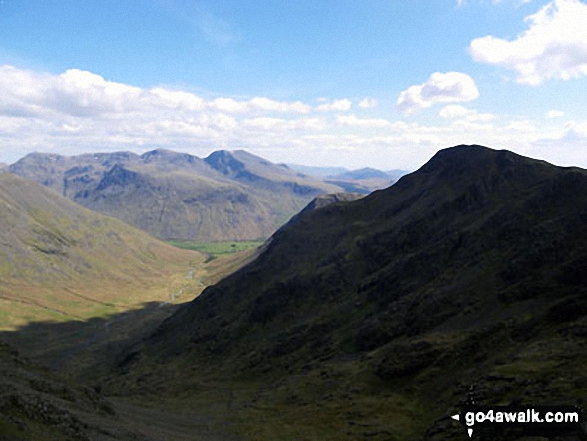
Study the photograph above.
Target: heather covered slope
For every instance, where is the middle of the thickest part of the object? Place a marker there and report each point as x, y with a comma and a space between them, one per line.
226, 196
377, 317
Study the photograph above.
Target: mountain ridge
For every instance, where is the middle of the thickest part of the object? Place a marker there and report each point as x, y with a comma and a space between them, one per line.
410, 288
226, 196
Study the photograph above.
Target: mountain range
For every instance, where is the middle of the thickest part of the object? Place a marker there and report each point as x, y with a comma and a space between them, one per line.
378, 317
226, 196
364, 180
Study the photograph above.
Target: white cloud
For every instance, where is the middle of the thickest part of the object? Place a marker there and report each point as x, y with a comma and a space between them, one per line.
266, 104
280, 124
553, 47
354, 121
440, 88
521, 126
74, 92
555, 114
80, 112
368, 103
258, 104
455, 111
337, 105
178, 99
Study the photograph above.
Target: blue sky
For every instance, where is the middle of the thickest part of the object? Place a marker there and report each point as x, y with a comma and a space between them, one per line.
375, 83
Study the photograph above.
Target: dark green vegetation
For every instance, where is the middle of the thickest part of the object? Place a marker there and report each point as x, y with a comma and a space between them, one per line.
36, 404
374, 319
215, 249
226, 196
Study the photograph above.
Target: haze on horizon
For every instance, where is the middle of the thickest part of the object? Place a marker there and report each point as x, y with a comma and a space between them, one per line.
322, 83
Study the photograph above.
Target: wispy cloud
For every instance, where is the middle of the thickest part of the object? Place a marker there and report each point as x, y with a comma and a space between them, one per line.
368, 103
215, 30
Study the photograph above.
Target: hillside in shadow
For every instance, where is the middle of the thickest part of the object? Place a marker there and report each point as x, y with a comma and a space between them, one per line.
379, 317
50, 388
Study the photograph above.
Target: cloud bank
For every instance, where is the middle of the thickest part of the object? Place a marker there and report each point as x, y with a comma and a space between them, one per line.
79, 111
553, 47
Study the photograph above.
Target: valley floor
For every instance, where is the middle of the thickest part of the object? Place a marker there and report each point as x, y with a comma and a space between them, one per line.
70, 334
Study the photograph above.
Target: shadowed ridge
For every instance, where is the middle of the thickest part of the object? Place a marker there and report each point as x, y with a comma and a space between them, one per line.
331, 198
465, 191
469, 269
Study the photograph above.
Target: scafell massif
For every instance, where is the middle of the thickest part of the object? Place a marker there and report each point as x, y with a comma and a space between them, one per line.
226, 196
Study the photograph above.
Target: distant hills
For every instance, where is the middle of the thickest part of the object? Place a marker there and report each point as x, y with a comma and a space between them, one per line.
377, 318
321, 172
226, 196
363, 180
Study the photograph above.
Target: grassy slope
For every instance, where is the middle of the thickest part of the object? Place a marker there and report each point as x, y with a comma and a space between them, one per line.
59, 261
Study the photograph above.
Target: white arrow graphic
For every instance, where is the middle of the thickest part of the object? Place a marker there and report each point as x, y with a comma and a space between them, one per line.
457, 417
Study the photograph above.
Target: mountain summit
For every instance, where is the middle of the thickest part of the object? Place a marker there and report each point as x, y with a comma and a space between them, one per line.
227, 196
469, 274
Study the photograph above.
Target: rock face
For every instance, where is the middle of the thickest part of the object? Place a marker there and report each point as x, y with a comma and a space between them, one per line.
227, 196
470, 273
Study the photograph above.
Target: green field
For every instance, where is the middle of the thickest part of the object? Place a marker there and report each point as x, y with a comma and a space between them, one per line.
215, 249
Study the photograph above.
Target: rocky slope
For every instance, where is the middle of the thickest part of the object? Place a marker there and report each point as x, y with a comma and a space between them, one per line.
379, 317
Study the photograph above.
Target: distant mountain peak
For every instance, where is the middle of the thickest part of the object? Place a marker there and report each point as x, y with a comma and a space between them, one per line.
225, 162
362, 173
169, 156
472, 155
